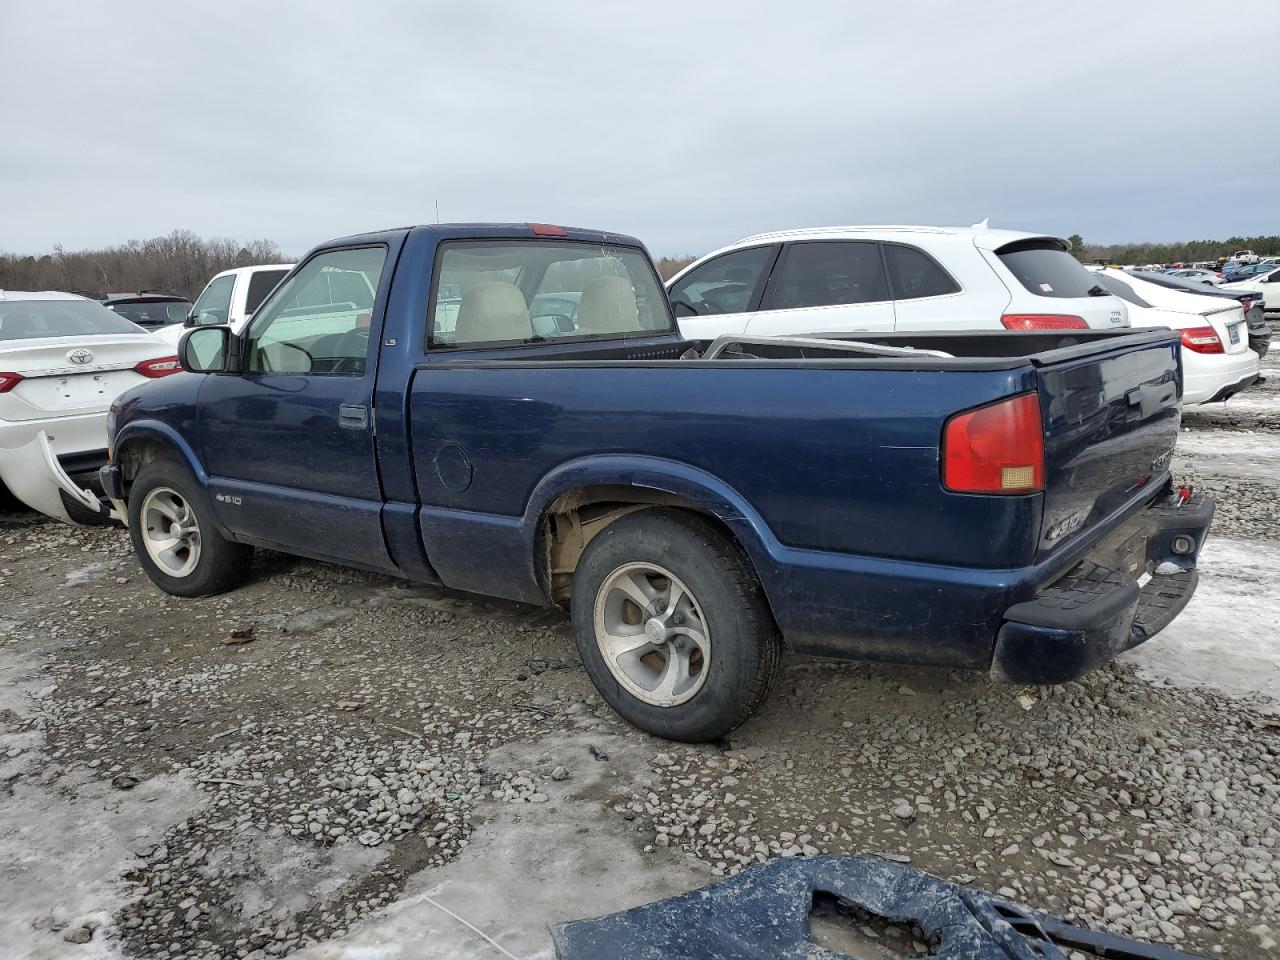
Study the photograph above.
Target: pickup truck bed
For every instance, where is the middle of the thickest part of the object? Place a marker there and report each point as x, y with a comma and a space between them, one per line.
1006, 507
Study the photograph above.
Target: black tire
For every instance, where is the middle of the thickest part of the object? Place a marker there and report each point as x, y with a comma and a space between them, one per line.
220, 565
82, 515
745, 648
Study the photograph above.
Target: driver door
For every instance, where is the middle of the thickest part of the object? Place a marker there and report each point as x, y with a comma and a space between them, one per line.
289, 442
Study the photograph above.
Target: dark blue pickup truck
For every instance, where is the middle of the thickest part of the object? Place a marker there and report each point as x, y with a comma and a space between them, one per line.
510, 410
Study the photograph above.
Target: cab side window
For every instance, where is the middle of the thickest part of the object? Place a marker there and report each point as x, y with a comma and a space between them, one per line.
318, 320
727, 284
214, 304
827, 273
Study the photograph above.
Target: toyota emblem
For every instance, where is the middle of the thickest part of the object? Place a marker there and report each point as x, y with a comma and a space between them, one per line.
81, 356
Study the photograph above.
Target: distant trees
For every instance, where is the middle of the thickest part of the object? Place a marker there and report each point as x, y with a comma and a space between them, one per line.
1183, 252
182, 262
668, 267
1077, 245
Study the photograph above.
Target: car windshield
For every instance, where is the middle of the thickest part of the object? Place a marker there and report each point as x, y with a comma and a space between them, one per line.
153, 313
26, 319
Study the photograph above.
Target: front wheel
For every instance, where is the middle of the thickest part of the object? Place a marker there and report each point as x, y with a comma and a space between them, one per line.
174, 538
672, 626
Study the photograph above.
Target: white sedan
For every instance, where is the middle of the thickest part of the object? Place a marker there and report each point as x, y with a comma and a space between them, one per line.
1268, 284
63, 359
1199, 276
1216, 359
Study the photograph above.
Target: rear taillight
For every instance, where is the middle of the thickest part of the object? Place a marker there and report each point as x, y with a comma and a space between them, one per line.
159, 367
1202, 340
1043, 321
998, 448
8, 381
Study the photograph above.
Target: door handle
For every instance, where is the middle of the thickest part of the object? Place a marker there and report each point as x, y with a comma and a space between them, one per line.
353, 416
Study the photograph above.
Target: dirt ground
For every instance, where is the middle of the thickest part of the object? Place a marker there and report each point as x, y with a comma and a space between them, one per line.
331, 764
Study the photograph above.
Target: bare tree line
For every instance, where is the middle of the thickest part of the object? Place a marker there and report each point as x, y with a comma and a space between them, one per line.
181, 262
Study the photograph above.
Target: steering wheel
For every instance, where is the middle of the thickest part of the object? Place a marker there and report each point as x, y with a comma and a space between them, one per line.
352, 350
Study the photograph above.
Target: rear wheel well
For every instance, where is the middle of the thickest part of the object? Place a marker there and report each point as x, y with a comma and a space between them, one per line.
574, 518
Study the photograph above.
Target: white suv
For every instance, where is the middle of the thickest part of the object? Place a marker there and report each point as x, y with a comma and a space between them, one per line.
842, 279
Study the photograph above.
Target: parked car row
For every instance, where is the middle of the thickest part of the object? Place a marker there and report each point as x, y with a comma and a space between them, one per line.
850, 279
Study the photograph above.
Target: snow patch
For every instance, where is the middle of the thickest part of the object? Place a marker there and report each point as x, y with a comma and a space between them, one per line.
1245, 453
528, 866
1228, 637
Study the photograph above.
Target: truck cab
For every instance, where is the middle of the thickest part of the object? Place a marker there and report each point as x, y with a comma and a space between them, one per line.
231, 297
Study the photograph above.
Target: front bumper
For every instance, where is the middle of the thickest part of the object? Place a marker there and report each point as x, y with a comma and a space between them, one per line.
1128, 589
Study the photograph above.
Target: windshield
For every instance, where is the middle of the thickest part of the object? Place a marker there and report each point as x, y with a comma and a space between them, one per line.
23, 319
153, 313
494, 291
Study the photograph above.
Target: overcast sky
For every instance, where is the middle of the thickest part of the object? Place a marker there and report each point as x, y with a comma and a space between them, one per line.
687, 124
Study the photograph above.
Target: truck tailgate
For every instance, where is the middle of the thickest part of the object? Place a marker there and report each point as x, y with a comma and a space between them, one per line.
1111, 424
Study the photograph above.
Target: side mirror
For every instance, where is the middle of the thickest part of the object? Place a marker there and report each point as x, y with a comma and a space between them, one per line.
205, 350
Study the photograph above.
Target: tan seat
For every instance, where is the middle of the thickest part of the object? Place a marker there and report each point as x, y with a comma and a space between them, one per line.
492, 311
608, 305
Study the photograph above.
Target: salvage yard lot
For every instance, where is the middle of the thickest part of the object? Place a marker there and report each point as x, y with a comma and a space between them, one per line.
318, 763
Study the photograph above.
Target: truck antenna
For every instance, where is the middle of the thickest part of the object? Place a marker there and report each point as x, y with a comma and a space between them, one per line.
437, 210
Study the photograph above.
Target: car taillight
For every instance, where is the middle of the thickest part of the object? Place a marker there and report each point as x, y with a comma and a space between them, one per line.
8, 381
1202, 340
1043, 321
159, 367
998, 448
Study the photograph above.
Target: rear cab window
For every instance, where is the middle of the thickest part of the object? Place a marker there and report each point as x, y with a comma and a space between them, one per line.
505, 293
1047, 270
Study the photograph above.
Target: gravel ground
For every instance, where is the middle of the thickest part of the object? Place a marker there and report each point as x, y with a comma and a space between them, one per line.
318, 760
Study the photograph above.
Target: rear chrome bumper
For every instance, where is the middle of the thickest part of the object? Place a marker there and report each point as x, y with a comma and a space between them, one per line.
1123, 593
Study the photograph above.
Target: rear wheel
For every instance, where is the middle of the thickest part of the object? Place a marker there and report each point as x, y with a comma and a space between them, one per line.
672, 625
174, 538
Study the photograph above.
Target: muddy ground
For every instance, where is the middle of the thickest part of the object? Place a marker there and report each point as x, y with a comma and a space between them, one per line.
331, 764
